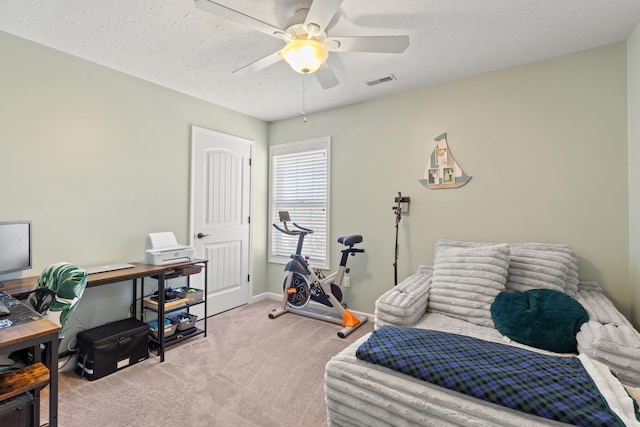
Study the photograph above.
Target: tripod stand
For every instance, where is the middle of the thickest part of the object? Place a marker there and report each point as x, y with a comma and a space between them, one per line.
401, 203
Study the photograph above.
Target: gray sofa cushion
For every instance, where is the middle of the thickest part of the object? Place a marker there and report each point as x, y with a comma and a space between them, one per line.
534, 269
535, 265
564, 253
465, 281
406, 303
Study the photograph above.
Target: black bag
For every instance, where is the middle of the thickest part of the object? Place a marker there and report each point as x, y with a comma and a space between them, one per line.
111, 347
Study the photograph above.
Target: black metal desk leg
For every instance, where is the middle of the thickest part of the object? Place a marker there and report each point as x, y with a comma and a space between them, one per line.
52, 349
161, 315
36, 407
134, 308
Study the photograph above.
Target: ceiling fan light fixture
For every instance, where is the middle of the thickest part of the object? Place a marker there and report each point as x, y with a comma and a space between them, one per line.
282, 35
313, 29
305, 55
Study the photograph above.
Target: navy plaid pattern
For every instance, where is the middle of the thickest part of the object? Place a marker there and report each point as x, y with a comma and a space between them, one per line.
553, 387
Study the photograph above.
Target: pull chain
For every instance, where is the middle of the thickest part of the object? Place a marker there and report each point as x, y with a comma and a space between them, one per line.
304, 98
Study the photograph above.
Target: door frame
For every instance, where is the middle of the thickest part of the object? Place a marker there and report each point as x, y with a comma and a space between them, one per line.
194, 131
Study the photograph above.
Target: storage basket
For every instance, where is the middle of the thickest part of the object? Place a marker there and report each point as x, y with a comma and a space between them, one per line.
183, 320
169, 328
192, 295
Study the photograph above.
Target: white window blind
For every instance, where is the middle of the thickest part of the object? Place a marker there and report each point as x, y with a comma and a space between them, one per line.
299, 182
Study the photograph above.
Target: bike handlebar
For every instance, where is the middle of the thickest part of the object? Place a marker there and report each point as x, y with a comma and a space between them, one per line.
308, 230
300, 230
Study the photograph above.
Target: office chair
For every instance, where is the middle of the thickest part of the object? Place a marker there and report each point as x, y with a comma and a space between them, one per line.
58, 291
56, 295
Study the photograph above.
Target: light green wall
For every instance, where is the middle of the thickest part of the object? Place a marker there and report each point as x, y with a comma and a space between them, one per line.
633, 79
98, 159
545, 143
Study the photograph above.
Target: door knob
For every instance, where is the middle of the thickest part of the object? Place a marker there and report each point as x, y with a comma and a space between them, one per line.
200, 235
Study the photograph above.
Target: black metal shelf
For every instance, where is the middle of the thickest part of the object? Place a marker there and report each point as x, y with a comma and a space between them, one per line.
172, 309
186, 270
176, 337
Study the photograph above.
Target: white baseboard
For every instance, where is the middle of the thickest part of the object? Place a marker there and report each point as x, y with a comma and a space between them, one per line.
265, 295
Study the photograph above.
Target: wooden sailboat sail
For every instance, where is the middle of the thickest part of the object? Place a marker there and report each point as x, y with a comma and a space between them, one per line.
442, 170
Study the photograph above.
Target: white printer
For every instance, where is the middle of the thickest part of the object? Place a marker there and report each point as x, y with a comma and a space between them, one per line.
166, 250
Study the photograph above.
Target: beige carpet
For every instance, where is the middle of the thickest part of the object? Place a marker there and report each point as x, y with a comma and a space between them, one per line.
249, 371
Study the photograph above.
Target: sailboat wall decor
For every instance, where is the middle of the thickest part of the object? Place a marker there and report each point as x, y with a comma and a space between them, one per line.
442, 170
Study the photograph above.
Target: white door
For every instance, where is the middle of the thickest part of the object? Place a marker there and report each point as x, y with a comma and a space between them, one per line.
220, 215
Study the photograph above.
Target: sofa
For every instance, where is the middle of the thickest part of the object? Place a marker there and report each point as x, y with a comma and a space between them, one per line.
521, 302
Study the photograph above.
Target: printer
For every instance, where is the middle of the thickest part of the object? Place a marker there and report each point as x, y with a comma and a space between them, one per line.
166, 250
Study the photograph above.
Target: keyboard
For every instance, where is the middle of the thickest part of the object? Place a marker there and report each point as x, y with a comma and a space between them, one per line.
104, 268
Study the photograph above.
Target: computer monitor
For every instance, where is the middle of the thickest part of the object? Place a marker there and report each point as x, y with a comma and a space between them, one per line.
15, 246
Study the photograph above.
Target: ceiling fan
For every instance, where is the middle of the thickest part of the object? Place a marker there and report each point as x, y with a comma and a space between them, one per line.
307, 44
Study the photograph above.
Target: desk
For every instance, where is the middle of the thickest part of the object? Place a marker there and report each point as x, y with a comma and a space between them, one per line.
35, 376
22, 287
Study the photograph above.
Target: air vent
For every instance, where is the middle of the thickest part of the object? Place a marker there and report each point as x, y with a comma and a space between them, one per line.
384, 79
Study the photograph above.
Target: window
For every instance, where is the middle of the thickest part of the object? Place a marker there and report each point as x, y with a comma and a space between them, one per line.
299, 183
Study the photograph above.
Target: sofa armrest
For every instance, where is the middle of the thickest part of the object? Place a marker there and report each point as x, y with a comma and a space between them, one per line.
406, 303
616, 346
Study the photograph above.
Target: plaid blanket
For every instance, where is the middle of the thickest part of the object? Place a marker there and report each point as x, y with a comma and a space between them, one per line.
553, 387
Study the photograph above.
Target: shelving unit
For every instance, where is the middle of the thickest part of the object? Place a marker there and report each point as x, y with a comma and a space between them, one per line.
35, 376
175, 271
22, 287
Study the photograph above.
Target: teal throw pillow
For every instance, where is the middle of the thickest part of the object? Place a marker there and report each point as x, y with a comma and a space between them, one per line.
541, 318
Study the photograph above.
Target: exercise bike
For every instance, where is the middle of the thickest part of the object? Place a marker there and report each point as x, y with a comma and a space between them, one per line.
302, 285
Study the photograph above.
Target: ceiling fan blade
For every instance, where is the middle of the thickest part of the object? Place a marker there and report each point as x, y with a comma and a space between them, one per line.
239, 18
376, 44
326, 77
320, 14
260, 64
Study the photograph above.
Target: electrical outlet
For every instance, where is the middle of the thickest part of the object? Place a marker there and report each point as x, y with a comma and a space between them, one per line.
346, 281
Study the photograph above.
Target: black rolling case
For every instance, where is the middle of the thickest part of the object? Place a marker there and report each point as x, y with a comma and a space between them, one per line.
111, 347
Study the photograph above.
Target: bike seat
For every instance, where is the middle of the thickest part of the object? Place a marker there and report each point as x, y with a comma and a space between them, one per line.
350, 240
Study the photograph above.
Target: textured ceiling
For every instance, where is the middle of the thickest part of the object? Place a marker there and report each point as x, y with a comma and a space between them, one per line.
171, 43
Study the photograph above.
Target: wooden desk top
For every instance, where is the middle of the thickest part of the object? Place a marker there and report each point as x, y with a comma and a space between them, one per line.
31, 330
24, 286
